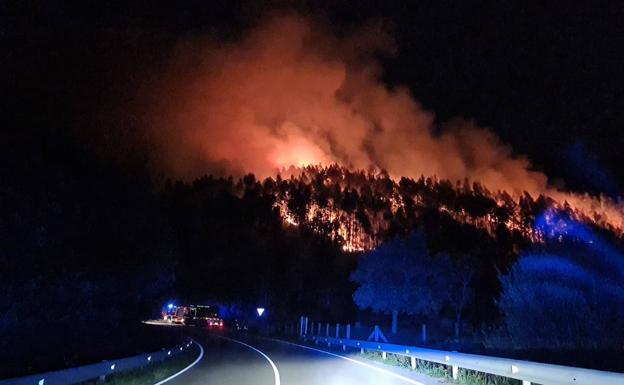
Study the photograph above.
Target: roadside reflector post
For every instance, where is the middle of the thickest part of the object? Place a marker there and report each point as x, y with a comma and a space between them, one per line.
319, 329
384, 355
361, 350
344, 348
455, 370
348, 336
327, 329
337, 330
413, 362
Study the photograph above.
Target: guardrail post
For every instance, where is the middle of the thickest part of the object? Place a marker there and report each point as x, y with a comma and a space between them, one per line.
413, 363
337, 330
424, 333
327, 329
455, 370
348, 336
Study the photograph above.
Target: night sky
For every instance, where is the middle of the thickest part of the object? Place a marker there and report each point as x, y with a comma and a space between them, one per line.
546, 78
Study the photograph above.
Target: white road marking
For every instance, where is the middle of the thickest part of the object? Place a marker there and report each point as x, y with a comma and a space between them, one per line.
275, 371
406, 379
201, 355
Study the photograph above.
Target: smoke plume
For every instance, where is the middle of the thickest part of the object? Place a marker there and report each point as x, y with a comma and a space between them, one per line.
290, 93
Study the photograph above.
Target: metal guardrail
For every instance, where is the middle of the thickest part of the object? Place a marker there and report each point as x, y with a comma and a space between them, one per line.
102, 369
526, 371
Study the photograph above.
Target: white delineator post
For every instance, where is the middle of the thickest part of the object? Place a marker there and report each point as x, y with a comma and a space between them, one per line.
455, 371
337, 330
348, 336
413, 363
318, 332
327, 329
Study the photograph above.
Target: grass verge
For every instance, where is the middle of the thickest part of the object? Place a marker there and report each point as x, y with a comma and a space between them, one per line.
466, 377
151, 373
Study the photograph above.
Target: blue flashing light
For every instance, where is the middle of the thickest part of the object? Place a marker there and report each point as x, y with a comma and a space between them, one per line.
170, 306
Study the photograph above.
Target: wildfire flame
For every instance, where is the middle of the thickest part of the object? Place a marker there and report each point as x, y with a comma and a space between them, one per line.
290, 93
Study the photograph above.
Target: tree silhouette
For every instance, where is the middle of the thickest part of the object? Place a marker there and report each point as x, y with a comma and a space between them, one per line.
398, 277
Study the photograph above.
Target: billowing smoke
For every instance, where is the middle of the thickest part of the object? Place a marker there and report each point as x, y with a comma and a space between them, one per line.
290, 93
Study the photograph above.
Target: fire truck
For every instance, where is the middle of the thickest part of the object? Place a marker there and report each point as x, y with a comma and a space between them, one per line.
194, 315
176, 314
204, 316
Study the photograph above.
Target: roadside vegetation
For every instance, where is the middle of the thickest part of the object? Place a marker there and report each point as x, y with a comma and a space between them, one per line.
152, 373
466, 377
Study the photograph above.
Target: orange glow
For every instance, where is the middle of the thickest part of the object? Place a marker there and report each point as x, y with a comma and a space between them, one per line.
297, 151
290, 93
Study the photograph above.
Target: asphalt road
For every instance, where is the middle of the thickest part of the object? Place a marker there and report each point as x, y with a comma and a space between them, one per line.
236, 360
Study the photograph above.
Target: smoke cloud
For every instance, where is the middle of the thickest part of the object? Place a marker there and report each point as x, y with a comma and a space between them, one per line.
290, 93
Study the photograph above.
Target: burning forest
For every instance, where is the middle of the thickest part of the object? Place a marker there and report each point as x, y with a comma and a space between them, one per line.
314, 100
362, 209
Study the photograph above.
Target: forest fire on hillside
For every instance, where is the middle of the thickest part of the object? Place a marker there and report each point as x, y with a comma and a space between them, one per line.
362, 209
292, 94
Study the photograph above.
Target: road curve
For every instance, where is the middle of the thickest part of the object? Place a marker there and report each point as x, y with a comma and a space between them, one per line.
236, 360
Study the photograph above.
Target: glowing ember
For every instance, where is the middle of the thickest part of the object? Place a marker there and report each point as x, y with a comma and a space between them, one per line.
364, 229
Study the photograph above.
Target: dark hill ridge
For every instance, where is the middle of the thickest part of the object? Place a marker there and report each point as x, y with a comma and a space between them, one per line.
361, 209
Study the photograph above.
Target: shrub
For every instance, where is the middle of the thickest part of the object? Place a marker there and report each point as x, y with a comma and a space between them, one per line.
564, 300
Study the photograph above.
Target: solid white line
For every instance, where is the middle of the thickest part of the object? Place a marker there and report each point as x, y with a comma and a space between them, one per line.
201, 355
406, 379
275, 371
